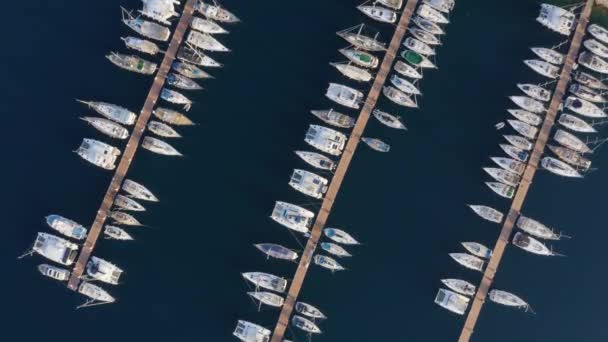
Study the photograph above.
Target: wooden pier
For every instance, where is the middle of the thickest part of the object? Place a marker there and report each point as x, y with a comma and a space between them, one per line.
343, 164
132, 144
530, 171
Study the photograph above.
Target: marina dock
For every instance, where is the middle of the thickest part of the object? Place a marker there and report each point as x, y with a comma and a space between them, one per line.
340, 172
528, 176
132, 144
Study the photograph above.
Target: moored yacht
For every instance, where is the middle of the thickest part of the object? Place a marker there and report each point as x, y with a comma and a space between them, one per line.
525, 116
528, 104
138, 191
113, 232
277, 251
190, 54
162, 130
593, 62
515, 152
559, 168
584, 108
519, 141
468, 261
250, 332
54, 272
334, 118
543, 68
160, 147
123, 218
266, 280
486, 212
182, 82
148, 29
112, 111
103, 270
477, 249
308, 183
189, 70
588, 80
327, 262
596, 47
536, 228
217, 13
407, 70
317, 160
404, 85
534, 91
575, 123
571, 141
417, 59
586, 93
531, 245
398, 97
267, 298
503, 176
160, 10
452, 301
172, 117
361, 41
427, 25
361, 58
460, 286
556, 18
98, 153
508, 299
510, 164
379, 13
388, 119
504, 190
141, 45
107, 127
523, 128
353, 72
132, 63
340, 236
305, 324
571, 157
598, 32
95, 292
309, 310
127, 203
175, 97
206, 26
549, 55
67, 227
326, 139
56, 249
424, 37
344, 95
376, 144
427, 12
335, 249
444, 6
394, 4
292, 216
205, 41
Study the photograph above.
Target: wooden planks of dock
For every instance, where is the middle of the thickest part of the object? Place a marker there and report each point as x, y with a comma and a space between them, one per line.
524, 186
132, 144
343, 164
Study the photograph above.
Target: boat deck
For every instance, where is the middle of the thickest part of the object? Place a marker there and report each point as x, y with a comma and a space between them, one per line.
132, 145
524, 186
344, 163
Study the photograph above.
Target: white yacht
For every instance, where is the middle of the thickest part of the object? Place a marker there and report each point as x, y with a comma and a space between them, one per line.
103, 270
334, 118
477, 249
54, 272
160, 10
543, 68
588, 80
407, 70
549, 55
398, 97
217, 13
394, 4
528, 104
571, 157
525, 116
487, 213
309, 310
587, 93
598, 32
190, 54
172, 117
427, 25
146, 28
317, 160
95, 292
534, 91
112, 112
388, 119
326, 139
123, 218
56, 249
98, 153
593, 62
127, 203
460, 286
452, 301
308, 183
424, 37
132, 63
509, 299
353, 72
335, 249
205, 41
138, 191
340, 236
344, 95
468, 261
175, 97
556, 19
67, 227
570, 141
510, 164
361, 41
182, 82
141, 45
596, 47
519, 141
327, 262
266, 281
267, 298
444, 6
575, 123
162, 129
559, 168
305, 324
361, 58
158, 146
189, 70
405, 85
427, 12
292, 216
376, 144
531, 245
417, 59
250, 332
277, 251
503, 176
379, 13
536, 228
515, 152
584, 108
504, 190
115, 233
523, 128
107, 127
206, 26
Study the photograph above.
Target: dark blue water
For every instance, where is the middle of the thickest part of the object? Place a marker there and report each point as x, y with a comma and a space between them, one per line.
182, 280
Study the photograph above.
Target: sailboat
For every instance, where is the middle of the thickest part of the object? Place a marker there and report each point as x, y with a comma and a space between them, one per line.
379, 13
536, 228
559, 168
530, 244
407, 70
543, 68
162, 130
398, 97
460, 286
508, 299
571, 141
216, 12
266, 280
132, 63
468, 261
107, 127
340, 236
113, 232
127, 203
427, 25
182, 82
549, 55
138, 191
388, 119
361, 58
172, 117
405, 85
596, 47
327, 262
515, 152
309, 310
477, 249
487, 213
206, 42
504, 190
305, 324
586, 93
376, 144
141, 45
267, 298
250, 332
593, 62
571, 157
427, 12
334, 118
584, 108
361, 41
525, 116
160, 147
317, 160
146, 28
575, 123
206, 26
452, 301
588, 80
353, 72
277, 251
335, 249
534, 91
344, 95
175, 97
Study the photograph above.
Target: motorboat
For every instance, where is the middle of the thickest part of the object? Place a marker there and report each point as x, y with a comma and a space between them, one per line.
334, 118
327, 262
593, 62
444, 6
556, 19
477, 249
460, 286
190, 54
427, 25
267, 298
160, 10
148, 29
598, 32
340, 236
205, 41
305, 324
424, 37
172, 117
162, 130
543, 68
549, 55
325, 139
571, 157
54, 272
189, 70
160, 147
308, 183
519, 141
575, 123
584, 108
107, 127
277, 251
250, 332
587, 93
536, 228
508, 299
115, 233
405, 85
353, 72
388, 119
141, 45
317, 160
361, 41
67, 227
417, 59
510, 164
132, 63
398, 97
452, 301
487, 213
121, 217
525, 116
504, 190
596, 47
98, 153
206, 26
175, 97
503, 176
429, 13
266, 280
182, 82
335, 249
528, 104
112, 112
138, 191
570, 141
534, 91
559, 168
361, 58
344, 95
95, 292
56, 249
217, 13
589, 81
292, 216
102, 270
407, 70
523, 128
309, 310
376, 144
468, 261
394, 4
515, 152
379, 13
127, 203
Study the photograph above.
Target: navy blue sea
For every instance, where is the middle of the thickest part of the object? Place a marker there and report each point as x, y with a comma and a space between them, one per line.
182, 280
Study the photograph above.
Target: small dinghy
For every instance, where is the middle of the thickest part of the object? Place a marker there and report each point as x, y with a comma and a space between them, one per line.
525, 116
598, 32
570, 141
127, 203
189, 70
460, 286
398, 97
121, 217
559, 168
132, 63
503, 176
515, 152
508, 299
424, 37
175, 97
115, 233
138, 191
407, 70
206, 26
504, 190
334, 118
487, 213
388, 119
571, 157
417, 59
427, 12
361, 41
277, 251
317, 160
586, 93
405, 85
477, 249
379, 13
162, 130
584, 108
267, 298
172, 117
340, 236
427, 25
536, 228
589, 81
519, 141
309, 310
528, 104
158, 146
361, 58
510, 164
182, 82
469, 261
543, 68
141, 45
217, 13
353, 72
534, 91
305, 325
596, 47
54, 272
107, 127
266, 280
593, 62
452, 301
335, 249
190, 54
549, 55
575, 123
376, 144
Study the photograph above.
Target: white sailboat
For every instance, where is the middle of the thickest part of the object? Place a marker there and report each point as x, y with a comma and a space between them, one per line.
586, 93
515, 152
509, 164
477, 249
305, 324
523, 128
216, 12
530, 244
407, 70
575, 123
98, 153
503, 176
206, 26
519, 141
361, 58
534, 91
361, 41
141, 45
335, 249
102, 270
115, 233
266, 280
340, 236
121, 217
54, 272
596, 47
267, 298
112, 111
427, 12
556, 19
325, 139
537, 229
549, 55
598, 32
508, 299
250, 332
452, 301
528, 104
588, 80
317, 160
405, 85
468, 261
427, 25
525, 116
334, 118
344, 95
107, 127
138, 191
543, 68
127, 203
388, 119
584, 108
172, 117
175, 97
327, 262
292, 216
308, 183
504, 190
487, 213
96, 294
593, 62
162, 129
571, 157
146, 28
277, 251
571, 141
379, 13
205, 41
55, 249
398, 97
353, 72
309, 310
160, 147
559, 168
424, 37
460, 286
